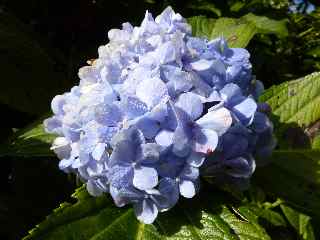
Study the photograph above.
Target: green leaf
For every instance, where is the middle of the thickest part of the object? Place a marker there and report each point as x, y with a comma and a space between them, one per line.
238, 32
316, 142
300, 222
30, 77
295, 101
269, 215
98, 218
32, 141
294, 175
237, 6
267, 26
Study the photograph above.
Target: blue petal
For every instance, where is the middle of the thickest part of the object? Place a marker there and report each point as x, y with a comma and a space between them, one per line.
167, 53
231, 94
57, 104
109, 115
236, 55
133, 107
123, 152
261, 122
169, 194
191, 104
64, 164
182, 141
240, 167
125, 195
53, 125
245, 110
234, 144
148, 127
120, 176
150, 153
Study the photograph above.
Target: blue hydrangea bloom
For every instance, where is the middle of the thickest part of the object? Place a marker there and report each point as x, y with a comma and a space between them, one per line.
157, 109
301, 6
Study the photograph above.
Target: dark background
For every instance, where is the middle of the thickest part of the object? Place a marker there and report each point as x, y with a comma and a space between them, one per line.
43, 43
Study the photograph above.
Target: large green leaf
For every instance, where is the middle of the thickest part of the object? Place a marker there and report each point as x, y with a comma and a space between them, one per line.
300, 222
30, 77
205, 217
294, 175
238, 32
267, 25
32, 141
296, 101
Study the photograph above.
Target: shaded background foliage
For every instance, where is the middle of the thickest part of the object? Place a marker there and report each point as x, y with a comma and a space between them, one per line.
43, 43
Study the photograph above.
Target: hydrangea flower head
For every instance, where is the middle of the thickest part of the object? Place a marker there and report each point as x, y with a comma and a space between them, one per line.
156, 110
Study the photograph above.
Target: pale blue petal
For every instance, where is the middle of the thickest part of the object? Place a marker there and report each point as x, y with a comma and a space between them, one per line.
164, 138
146, 211
108, 114
245, 110
231, 94
167, 53
182, 141
202, 65
133, 107
152, 91
57, 104
191, 104
100, 152
145, 177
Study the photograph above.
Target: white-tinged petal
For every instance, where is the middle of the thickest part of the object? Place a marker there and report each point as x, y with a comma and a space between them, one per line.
152, 91
206, 141
61, 147
202, 64
218, 120
187, 189
145, 178
164, 138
